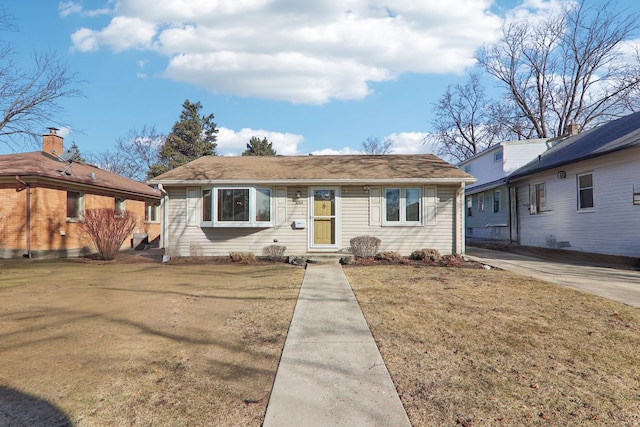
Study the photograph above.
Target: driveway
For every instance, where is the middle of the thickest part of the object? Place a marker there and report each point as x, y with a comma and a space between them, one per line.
616, 284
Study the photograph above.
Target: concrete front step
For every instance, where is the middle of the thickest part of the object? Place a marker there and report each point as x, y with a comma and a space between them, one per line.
319, 258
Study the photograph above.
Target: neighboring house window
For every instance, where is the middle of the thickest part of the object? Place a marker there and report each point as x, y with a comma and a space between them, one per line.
151, 211
585, 191
636, 196
467, 169
481, 202
403, 206
237, 207
207, 205
496, 201
469, 206
497, 156
538, 198
75, 204
118, 205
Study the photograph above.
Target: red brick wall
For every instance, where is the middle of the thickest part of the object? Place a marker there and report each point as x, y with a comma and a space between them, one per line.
50, 229
12, 214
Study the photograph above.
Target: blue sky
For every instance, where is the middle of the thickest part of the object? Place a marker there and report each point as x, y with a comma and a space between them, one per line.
313, 76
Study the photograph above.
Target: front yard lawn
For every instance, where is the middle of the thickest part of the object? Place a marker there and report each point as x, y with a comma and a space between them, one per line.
490, 348
97, 344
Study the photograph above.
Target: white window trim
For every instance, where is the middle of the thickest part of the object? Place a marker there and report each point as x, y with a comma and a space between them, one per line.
251, 223
593, 195
403, 208
493, 207
81, 200
149, 207
533, 210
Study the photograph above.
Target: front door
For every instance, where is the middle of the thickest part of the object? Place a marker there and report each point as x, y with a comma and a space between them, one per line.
323, 217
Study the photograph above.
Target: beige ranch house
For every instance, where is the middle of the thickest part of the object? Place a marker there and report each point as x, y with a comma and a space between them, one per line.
312, 204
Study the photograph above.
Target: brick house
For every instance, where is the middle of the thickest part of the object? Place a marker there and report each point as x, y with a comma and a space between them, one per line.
44, 193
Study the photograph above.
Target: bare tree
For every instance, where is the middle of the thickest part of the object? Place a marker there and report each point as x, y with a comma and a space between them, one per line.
463, 121
29, 99
376, 146
108, 229
133, 154
565, 68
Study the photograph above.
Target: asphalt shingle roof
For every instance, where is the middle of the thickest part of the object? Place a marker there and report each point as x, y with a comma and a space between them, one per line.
309, 168
607, 138
40, 164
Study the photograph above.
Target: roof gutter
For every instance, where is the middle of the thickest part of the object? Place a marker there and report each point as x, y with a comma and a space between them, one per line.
28, 214
171, 182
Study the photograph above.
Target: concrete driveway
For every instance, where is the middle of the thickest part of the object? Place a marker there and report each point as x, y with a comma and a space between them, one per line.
615, 284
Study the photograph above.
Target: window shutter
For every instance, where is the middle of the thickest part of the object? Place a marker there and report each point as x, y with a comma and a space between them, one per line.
375, 206
431, 205
281, 206
192, 206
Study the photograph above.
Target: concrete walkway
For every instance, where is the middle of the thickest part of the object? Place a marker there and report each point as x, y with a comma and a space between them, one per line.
331, 372
618, 285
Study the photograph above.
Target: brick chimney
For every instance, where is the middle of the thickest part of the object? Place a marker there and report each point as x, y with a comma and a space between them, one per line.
52, 143
571, 129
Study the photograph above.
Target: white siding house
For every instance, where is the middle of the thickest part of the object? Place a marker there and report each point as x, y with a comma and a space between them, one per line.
487, 200
313, 204
583, 194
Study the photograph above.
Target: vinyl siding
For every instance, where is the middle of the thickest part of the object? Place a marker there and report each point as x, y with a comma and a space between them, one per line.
354, 211
612, 227
489, 225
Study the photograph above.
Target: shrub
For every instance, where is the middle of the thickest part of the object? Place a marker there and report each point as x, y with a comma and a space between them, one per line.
244, 257
364, 246
195, 250
273, 251
389, 256
108, 229
426, 255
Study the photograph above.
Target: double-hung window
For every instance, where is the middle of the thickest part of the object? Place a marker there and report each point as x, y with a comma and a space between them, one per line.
118, 206
496, 201
75, 205
585, 191
469, 206
538, 198
237, 207
151, 211
480, 202
403, 206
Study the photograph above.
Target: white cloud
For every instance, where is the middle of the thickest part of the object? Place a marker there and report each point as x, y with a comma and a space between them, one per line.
304, 52
233, 143
330, 151
67, 8
409, 143
121, 34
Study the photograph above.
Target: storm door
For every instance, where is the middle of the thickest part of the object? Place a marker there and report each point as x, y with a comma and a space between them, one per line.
323, 218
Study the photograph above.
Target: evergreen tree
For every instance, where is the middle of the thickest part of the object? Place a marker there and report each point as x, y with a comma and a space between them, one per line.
191, 137
259, 147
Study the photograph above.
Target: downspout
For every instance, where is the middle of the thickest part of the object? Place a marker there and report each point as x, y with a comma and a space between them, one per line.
28, 219
163, 224
459, 238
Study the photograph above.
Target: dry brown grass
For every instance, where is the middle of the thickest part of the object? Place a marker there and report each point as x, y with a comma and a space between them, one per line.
111, 344
485, 348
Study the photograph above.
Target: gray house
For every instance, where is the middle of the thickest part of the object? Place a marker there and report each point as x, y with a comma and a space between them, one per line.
583, 194
487, 200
